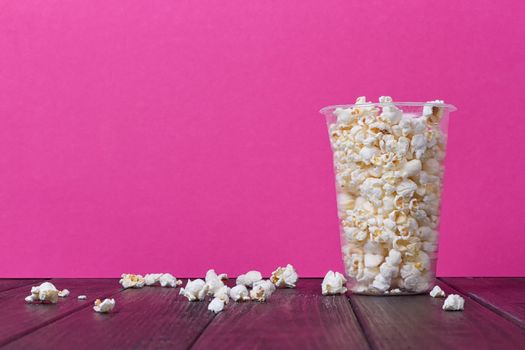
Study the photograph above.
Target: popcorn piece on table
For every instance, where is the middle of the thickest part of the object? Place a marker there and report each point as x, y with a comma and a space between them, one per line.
216, 305
213, 282
454, 303
249, 278
129, 280
333, 283
104, 306
262, 290
164, 279
195, 290
168, 280
44, 293
284, 277
240, 293
152, 278
437, 292
82, 297
63, 293
223, 294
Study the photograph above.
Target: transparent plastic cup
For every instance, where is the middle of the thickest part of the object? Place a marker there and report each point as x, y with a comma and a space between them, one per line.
388, 161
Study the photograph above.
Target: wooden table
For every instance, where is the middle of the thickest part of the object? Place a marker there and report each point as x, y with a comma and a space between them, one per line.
158, 318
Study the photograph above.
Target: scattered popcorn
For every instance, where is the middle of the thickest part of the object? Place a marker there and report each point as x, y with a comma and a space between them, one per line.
132, 281
216, 305
284, 277
437, 292
164, 279
240, 293
168, 280
388, 173
82, 297
63, 293
152, 278
262, 290
333, 283
213, 282
44, 293
104, 306
249, 278
195, 290
454, 303
223, 277
223, 294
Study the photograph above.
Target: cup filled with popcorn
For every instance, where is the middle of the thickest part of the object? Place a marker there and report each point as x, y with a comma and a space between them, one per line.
388, 161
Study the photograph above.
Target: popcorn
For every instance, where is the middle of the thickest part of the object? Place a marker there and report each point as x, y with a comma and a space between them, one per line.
412, 168
82, 297
216, 305
164, 279
388, 168
262, 290
152, 278
168, 280
44, 293
63, 293
419, 145
454, 303
104, 306
367, 153
239, 293
431, 108
391, 113
344, 115
333, 283
437, 292
387, 271
132, 281
373, 260
223, 294
406, 188
213, 282
195, 290
284, 277
249, 278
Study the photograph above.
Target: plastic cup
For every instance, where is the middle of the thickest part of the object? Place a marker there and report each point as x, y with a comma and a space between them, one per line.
388, 163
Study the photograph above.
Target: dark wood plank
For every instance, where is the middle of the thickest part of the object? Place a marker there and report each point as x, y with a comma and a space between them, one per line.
18, 317
505, 296
147, 318
298, 318
7, 284
415, 322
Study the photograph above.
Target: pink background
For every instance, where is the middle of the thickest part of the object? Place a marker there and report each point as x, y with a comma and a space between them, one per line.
176, 136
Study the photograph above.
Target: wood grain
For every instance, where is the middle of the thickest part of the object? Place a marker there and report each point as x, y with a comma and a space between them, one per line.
7, 284
505, 296
147, 318
18, 317
298, 318
415, 322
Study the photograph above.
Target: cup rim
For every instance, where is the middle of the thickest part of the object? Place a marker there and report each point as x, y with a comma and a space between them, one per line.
448, 107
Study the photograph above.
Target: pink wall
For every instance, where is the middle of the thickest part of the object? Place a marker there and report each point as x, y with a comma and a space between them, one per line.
179, 135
